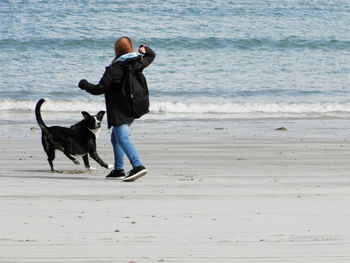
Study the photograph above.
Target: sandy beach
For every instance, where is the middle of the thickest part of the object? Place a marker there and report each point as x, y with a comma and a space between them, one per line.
234, 190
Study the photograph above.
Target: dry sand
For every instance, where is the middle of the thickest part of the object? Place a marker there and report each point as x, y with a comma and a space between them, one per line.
217, 191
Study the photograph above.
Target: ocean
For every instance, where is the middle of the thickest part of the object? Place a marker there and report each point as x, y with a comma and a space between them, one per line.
215, 58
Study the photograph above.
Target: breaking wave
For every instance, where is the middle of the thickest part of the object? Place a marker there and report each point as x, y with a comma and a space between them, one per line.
185, 108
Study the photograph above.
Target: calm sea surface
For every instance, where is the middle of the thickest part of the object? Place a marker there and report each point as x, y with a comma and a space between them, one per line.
213, 57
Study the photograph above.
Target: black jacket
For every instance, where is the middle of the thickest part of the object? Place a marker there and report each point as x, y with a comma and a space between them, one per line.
111, 84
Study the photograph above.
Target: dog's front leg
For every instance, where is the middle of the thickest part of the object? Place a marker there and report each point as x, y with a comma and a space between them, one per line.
86, 162
97, 158
71, 157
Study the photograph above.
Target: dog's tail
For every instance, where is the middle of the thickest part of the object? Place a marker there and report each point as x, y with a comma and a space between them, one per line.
38, 115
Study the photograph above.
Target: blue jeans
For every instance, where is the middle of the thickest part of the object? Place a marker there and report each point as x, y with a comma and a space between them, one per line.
121, 144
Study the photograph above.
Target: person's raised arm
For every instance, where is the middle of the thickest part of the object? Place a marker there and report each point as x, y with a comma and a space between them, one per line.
147, 58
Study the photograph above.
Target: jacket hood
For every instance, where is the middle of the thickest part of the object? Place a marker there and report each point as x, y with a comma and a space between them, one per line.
126, 56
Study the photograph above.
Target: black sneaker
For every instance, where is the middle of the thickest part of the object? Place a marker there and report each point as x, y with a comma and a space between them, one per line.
135, 173
116, 174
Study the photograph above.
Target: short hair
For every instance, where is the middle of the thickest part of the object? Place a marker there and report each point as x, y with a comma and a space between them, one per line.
122, 46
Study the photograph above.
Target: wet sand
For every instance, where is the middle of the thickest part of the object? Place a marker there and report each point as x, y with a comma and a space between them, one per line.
216, 191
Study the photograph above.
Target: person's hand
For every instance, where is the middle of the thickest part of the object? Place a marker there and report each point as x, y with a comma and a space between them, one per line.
142, 49
82, 84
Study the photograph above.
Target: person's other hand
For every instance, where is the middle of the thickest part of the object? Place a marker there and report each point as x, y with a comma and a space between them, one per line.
82, 84
142, 49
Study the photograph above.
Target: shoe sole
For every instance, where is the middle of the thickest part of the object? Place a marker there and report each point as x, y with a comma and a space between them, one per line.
135, 176
115, 178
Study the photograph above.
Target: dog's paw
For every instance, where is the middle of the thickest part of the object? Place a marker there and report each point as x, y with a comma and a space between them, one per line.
91, 168
76, 161
110, 166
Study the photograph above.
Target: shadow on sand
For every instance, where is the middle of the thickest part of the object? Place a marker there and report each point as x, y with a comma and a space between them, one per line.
59, 174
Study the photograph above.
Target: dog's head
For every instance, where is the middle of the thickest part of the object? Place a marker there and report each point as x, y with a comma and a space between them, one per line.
93, 122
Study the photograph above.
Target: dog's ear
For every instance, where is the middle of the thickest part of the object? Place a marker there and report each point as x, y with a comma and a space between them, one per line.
100, 114
85, 114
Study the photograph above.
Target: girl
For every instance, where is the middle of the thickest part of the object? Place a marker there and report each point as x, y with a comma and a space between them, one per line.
110, 85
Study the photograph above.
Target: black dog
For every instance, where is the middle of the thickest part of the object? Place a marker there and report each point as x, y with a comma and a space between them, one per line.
79, 139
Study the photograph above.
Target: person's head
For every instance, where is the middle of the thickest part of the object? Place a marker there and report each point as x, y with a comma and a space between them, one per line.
123, 46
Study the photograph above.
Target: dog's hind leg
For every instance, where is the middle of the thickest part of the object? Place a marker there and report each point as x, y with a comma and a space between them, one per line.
86, 162
70, 157
51, 157
50, 151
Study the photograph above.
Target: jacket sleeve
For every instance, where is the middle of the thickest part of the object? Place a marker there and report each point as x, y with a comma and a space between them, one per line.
146, 59
111, 75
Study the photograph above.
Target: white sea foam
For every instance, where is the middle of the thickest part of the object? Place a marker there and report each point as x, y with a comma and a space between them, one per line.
232, 108
51, 105
184, 108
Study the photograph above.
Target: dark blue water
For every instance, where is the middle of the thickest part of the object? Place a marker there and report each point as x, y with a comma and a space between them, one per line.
212, 56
